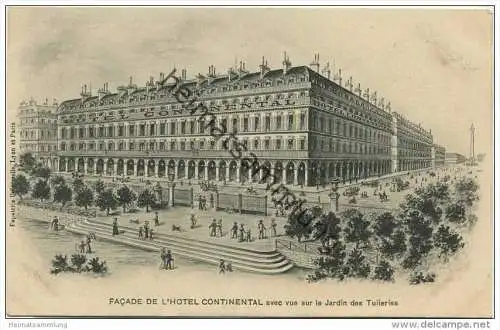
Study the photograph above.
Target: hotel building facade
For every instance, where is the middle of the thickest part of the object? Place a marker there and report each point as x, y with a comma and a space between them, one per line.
303, 125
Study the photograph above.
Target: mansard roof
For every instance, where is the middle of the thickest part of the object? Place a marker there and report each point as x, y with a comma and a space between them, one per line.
220, 80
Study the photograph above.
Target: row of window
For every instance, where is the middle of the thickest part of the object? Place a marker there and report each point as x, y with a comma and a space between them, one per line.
346, 129
253, 124
277, 144
344, 147
43, 134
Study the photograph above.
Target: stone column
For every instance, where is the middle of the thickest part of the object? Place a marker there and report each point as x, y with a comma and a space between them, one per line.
95, 166
105, 168
196, 170
238, 168
85, 166
283, 175
157, 165
115, 167
206, 171
216, 172
306, 175
227, 172
250, 175
176, 171
296, 175
135, 166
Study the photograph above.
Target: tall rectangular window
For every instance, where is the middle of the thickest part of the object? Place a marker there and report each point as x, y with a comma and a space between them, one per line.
162, 129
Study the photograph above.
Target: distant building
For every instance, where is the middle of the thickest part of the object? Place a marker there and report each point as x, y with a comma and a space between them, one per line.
453, 158
38, 131
438, 155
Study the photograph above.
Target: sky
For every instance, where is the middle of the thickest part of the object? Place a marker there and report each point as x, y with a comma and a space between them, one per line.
435, 66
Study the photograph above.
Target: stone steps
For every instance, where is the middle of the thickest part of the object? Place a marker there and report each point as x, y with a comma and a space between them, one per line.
264, 262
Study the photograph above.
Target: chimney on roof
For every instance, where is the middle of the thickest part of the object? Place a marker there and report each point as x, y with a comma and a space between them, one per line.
241, 69
101, 92
211, 73
326, 70
264, 68
84, 94
315, 63
286, 64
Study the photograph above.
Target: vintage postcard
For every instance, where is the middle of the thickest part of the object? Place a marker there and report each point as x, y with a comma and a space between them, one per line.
249, 162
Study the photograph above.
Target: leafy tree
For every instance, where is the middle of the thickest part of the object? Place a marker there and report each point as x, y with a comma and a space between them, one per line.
42, 172
78, 184
447, 241
99, 186
146, 199
300, 223
419, 230
27, 162
357, 264
326, 228
466, 189
331, 262
383, 271
125, 197
385, 224
456, 212
106, 200
58, 181
41, 190
20, 186
357, 229
77, 261
62, 194
59, 264
96, 266
394, 245
84, 197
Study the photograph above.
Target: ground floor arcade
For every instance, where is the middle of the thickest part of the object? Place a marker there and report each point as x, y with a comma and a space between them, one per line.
294, 172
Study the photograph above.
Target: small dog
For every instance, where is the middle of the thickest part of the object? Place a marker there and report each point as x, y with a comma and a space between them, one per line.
176, 228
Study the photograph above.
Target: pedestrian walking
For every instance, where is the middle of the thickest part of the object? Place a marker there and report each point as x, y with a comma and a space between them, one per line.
156, 220
222, 267
150, 233
115, 227
229, 266
273, 227
261, 228
234, 230
219, 227
242, 233
146, 229
213, 228
82, 247
163, 257
249, 235
141, 234
169, 260
89, 240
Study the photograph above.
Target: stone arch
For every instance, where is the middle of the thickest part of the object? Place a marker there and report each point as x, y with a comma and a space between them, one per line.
141, 167
201, 170
212, 170
110, 167
130, 167
290, 173
222, 171
81, 165
191, 169
151, 168
120, 170
100, 166
181, 169
233, 169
